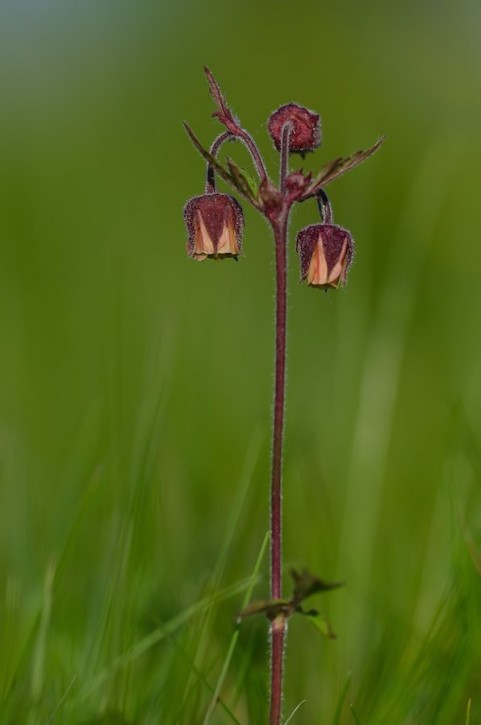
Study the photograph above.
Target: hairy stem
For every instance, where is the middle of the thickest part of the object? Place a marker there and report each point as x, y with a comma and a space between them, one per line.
249, 142
278, 626
245, 138
210, 186
286, 132
324, 205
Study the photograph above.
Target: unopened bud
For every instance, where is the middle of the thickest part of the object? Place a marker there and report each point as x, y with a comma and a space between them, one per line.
214, 223
325, 253
305, 132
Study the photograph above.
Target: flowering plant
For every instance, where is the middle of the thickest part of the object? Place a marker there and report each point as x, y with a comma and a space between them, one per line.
215, 224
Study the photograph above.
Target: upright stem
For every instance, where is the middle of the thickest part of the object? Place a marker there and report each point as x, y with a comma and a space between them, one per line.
286, 131
278, 625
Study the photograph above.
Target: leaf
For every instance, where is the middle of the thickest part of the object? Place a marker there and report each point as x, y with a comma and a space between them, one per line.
339, 166
243, 181
307, 584
321, 624
224, 114
239, 185
354, 714
342, 699
270, 607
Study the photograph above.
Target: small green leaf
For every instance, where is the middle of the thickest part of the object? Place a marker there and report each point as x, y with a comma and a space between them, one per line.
243, 181
307, 584
339, 166
321, 624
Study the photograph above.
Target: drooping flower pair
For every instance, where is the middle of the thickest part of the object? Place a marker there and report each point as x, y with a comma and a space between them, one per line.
215, 221
215, 224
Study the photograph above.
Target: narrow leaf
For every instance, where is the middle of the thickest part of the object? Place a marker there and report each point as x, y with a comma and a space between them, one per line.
270, 607
223, 112
294, 712
339, 166
243, 181
354, 714
235, 635
341, 701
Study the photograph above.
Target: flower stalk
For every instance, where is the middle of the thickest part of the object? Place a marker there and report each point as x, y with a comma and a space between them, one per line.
215, 223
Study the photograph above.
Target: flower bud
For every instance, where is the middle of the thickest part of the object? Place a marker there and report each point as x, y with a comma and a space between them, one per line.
305, 133
214, 224
325, 253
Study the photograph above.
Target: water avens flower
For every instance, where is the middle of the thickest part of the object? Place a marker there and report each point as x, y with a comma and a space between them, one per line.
215, 224
325, 253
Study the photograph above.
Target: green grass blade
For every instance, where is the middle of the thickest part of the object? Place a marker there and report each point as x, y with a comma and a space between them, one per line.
158, 635
235, 636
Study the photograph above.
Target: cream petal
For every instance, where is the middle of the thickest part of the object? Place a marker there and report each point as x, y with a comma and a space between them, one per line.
227, 243
336, 272
317, 272
203, 243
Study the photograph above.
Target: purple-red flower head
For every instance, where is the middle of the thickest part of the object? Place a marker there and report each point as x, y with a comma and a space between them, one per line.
305, 132
215, 224
325, 253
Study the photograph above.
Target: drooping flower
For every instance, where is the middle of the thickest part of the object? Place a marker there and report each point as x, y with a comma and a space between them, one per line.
305, 133
325, 253
214, 223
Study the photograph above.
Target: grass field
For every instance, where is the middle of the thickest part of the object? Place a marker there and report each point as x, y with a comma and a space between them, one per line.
136, 385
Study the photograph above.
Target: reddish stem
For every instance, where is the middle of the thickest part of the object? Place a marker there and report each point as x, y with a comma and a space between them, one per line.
254, 152
278, 625
324, 205
245, 138
280, 230
210, 180
286, 131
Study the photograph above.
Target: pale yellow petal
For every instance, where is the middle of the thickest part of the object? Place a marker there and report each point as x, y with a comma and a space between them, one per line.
317, 272
203, 243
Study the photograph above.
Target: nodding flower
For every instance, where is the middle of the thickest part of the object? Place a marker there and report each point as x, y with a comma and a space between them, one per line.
214, 223
325, 253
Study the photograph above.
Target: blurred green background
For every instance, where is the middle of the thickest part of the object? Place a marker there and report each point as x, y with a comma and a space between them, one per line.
136, 385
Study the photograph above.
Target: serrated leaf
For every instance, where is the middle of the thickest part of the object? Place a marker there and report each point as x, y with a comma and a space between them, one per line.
270, 607
339, 166
223, 113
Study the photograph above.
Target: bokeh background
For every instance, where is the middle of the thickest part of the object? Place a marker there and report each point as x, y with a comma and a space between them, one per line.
136, 385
